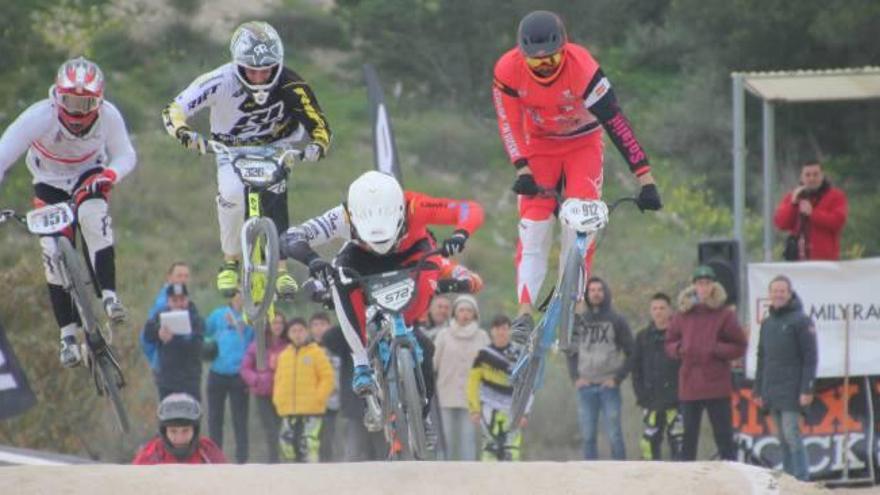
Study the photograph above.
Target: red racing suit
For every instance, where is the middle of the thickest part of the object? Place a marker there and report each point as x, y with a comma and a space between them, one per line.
422, 211
554, 126
154, 452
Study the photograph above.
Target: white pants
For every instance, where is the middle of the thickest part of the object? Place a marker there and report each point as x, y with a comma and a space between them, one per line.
231, 200
94, 221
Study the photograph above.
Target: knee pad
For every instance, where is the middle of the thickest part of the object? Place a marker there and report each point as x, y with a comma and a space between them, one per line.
97, 227
49, 248
535, 238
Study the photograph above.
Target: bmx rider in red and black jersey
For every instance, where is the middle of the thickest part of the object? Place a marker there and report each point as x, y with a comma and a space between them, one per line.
552, 101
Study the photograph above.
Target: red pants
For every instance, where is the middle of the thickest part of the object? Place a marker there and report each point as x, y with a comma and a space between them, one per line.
580, 170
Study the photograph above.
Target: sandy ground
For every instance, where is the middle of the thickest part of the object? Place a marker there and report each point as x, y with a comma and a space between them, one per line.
615, 478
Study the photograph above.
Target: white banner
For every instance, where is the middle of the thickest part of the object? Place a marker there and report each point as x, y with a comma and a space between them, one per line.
829, 291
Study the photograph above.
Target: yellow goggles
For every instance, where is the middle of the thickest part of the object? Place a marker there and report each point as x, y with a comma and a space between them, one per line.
551, 60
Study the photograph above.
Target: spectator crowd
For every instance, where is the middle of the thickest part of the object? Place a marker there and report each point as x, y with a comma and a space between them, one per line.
680, 365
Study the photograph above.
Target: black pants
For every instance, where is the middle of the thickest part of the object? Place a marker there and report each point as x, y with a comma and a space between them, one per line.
192, 389
327, 452
271, 423
219, 386
722, 428
362, 445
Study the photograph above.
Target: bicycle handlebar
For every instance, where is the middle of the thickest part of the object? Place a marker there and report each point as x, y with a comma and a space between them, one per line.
218, 148
9, 213
547, 192
356, 277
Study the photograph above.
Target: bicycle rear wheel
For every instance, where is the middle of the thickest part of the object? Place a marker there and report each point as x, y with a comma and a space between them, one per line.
409, 408
569, 289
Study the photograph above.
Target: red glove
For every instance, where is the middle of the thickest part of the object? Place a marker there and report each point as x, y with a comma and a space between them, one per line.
96, 184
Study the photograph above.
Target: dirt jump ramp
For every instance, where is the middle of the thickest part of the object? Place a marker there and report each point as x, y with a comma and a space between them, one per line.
556, 478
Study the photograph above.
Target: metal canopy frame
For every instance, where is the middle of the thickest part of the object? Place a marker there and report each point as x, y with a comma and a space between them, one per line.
789, 87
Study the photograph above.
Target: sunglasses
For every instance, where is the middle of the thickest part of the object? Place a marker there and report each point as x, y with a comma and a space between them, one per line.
551, 60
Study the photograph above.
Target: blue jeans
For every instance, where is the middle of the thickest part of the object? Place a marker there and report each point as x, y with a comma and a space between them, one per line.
794, 454
592, 399
461, 434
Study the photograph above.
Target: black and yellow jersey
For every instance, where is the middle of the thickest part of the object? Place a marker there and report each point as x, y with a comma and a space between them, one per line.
236, 119
489, 380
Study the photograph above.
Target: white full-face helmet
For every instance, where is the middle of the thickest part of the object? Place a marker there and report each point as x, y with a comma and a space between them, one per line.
377, 210
256, 45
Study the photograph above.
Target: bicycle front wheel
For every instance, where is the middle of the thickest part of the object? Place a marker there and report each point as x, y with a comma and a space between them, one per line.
409, 413
260, 268
81, 287
111, 381
569, 291
524, 384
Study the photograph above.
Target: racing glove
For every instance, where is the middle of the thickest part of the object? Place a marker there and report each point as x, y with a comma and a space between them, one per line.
525, 184
649, 198
191, 140
99, 183
313, 152
455, 244
321, 270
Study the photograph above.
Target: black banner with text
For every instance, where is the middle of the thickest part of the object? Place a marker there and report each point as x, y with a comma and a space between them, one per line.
16, 396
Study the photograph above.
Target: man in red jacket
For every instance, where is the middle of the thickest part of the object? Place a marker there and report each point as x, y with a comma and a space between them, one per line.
552, 101
814, 214
705, 336
178, 441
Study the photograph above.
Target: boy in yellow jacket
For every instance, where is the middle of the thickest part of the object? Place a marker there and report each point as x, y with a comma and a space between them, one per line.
304, 381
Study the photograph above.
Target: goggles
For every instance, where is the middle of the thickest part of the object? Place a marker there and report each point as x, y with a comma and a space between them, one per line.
78, 104
550, 61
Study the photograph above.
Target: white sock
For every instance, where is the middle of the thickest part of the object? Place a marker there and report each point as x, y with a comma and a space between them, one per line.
69, 330
108, 293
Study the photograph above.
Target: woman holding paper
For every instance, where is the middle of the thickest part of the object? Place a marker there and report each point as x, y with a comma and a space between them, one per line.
179, 344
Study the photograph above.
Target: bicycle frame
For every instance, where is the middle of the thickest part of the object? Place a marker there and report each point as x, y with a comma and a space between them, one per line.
259, 168
498, 445
53, 221
527, 375
390, 341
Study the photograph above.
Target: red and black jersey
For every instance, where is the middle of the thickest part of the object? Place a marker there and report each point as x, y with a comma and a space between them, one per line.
547, 117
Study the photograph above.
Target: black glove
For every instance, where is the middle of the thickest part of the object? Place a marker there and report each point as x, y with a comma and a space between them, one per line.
649, 198
455, 244
525, 184
317, 292
447, 285
322, 270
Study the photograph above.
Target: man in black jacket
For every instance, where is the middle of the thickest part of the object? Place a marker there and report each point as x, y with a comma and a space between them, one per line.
655, 382
786, 372
180, 366
602, 344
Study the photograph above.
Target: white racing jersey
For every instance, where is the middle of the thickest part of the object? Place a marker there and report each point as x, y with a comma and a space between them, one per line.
237, 120
58, 158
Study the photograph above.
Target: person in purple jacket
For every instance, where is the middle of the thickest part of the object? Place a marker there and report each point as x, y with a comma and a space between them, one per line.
260, 383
